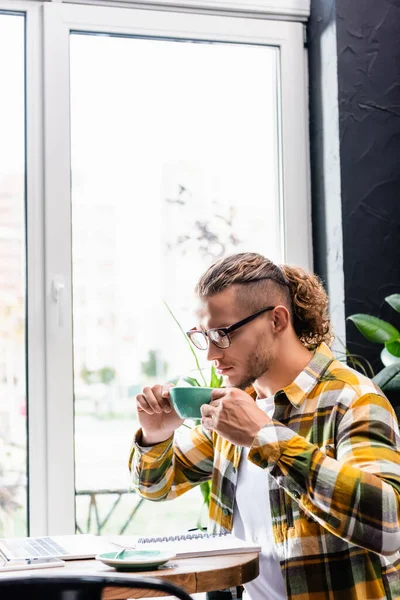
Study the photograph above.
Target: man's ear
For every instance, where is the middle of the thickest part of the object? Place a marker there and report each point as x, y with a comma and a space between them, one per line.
281, 318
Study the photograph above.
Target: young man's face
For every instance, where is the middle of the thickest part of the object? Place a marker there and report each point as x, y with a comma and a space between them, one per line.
252, 346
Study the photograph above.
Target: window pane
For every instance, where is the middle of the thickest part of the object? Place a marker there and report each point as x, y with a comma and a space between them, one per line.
174, 164
13, 429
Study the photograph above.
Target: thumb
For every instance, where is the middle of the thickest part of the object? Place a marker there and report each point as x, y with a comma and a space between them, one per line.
218, 393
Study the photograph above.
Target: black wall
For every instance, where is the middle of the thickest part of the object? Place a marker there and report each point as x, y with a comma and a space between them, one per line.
368, 77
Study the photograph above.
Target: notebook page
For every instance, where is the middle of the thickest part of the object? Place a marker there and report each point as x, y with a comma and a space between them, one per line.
191, 545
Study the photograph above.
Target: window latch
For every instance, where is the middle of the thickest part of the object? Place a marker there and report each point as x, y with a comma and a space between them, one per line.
57, 293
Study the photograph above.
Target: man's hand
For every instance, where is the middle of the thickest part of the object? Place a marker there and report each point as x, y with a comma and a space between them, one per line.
157, 418
234, 415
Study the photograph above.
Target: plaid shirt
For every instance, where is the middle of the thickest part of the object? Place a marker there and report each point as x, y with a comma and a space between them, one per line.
332, 453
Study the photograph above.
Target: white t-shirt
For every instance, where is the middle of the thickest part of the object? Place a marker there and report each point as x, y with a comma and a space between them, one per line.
252, 522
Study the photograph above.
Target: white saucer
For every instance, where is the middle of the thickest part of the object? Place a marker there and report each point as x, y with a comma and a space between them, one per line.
135, 560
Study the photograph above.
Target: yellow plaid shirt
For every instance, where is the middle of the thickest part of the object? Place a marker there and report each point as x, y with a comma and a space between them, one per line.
332, 454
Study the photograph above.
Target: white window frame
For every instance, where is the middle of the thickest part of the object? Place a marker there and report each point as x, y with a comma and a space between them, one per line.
292, 10
59, 20
35, 299
50, 343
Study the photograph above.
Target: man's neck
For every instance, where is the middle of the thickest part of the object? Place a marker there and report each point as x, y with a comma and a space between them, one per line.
286, 367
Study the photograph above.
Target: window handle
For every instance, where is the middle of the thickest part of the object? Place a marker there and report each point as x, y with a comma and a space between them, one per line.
57, 292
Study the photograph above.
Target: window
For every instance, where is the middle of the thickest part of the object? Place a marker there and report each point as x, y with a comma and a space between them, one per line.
175, 162
164, 139
13, 388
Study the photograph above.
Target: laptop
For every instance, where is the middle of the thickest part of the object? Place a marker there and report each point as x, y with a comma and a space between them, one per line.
65, 547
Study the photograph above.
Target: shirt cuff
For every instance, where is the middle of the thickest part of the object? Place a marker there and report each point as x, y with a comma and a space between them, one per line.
156, 451
269, 444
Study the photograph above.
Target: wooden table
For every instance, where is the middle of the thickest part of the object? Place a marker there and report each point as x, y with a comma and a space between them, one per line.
192, 574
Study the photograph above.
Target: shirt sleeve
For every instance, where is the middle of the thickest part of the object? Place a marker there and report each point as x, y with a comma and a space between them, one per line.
167, 470
352, 489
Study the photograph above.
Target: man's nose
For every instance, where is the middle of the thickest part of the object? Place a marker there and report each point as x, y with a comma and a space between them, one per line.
213, 352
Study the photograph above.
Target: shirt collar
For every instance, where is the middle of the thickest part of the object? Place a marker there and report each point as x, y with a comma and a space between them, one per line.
298, 390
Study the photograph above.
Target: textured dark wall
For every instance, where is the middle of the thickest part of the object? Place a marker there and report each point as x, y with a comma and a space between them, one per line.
368, 70
368, 54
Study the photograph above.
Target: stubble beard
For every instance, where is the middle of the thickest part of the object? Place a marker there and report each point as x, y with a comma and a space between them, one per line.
257, 364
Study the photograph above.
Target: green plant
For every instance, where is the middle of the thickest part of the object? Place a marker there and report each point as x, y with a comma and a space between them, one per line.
215, 382
389, 379
381, 332
152, 366
104, 375
356, 361
190, 347
107, 375
88, 376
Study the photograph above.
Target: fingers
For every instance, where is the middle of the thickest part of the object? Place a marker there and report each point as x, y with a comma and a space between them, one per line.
215, 403
219, 393
153, 400
208, 424
207, 410
165, 401
209, 416
147, 403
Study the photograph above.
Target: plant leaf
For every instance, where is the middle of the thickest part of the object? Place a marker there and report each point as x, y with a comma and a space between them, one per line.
394, 301
393, 348
188, 342
389, 378
205, 489
374, 329
389, 381
215, 380
192, 381
355, 361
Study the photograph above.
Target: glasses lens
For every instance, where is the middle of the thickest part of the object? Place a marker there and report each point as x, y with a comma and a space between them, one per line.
198, 339
219, 338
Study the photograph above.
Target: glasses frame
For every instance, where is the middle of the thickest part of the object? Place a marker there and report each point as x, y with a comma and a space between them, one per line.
226, 330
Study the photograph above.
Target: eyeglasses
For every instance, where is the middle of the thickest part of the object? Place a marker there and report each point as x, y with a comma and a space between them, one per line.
220, 335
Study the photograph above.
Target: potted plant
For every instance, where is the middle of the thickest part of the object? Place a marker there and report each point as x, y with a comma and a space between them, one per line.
381, 332
215, 382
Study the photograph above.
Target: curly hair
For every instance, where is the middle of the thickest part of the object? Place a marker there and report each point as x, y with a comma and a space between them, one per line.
302, 292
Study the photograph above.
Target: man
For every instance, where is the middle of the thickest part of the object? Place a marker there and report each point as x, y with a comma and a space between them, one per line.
304, 452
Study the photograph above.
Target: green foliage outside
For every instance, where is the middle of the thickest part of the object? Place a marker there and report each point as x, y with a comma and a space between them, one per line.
105, 375
153, 366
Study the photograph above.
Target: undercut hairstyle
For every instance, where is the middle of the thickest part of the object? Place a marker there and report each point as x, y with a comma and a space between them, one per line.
259, 282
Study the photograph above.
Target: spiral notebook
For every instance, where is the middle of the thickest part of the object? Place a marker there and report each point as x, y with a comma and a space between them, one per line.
190, 545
